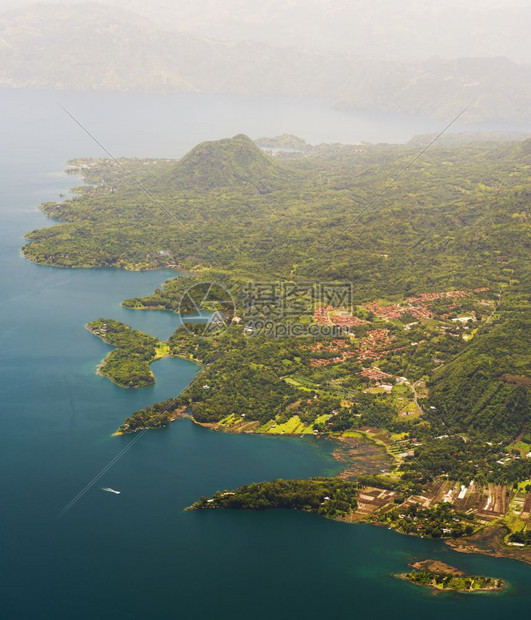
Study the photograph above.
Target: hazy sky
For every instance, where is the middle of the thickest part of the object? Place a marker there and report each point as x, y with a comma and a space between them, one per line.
392, 29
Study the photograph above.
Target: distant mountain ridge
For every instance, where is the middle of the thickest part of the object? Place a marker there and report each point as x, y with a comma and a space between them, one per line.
410, 30
92, 47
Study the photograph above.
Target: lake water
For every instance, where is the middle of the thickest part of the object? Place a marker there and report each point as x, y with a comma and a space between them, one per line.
138, 555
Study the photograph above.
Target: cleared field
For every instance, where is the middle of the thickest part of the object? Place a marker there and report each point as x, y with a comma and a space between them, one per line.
522, 447
229, 421
294, 426
302, 383
162, 350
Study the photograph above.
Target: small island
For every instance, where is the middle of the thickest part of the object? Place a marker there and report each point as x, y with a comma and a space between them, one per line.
442, 577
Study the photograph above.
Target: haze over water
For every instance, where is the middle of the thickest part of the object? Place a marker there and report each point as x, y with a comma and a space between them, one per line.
138, 555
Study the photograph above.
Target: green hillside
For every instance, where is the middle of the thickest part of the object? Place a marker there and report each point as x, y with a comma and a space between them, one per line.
227, 163
486, 388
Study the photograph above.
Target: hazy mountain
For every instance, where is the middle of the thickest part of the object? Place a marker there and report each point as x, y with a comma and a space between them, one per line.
385, 29
89, 46
495, 88
93, 47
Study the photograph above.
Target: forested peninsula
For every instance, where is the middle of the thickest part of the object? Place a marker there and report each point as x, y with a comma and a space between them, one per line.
128, 364
424, 353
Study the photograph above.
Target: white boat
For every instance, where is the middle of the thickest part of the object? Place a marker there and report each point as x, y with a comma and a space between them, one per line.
109, 490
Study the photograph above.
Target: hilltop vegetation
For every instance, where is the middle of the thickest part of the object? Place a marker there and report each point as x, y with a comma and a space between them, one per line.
486, 388
229, 163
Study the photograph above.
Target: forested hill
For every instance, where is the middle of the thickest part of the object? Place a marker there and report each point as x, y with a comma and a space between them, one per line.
227, 163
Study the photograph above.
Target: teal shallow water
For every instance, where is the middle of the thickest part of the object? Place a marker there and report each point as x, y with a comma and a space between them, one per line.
138, 555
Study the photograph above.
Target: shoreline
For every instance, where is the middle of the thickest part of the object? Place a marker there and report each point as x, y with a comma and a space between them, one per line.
489, 535
134, 268
489, 541
124, 387
462, 545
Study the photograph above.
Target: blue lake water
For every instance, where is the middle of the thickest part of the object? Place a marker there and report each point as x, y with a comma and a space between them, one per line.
138, 555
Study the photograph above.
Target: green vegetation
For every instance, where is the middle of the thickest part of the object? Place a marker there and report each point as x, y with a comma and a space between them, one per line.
158, 415
330, 497
276, 220
433, 363
458, 583
128, 365
244, 377
231, 162
457, 222
440, 521
464, 460
286, 384
285, 141
474, 392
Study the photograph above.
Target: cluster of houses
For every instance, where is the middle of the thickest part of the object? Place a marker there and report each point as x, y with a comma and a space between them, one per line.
415, 306
339, 346
374, 374
374, 346
378, 342
323, 315
395, 311
487, 502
